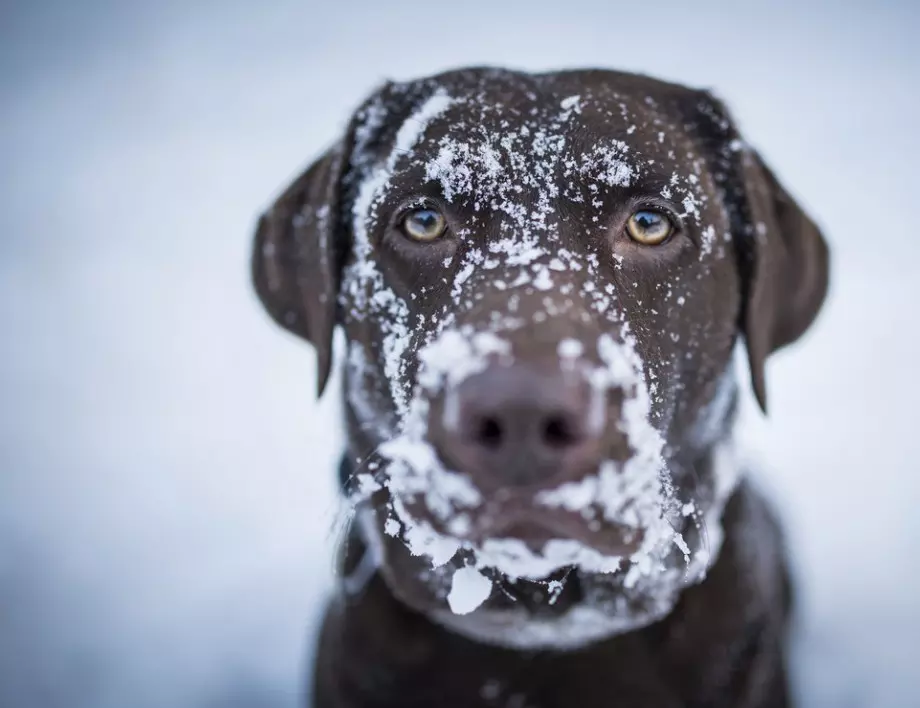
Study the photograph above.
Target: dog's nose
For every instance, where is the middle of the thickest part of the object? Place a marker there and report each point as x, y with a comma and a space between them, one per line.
518, 425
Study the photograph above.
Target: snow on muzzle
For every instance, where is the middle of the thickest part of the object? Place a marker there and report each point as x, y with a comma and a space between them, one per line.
529, 467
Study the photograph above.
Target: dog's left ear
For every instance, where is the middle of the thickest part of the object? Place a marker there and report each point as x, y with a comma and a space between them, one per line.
783, 257
788, 271
296, 259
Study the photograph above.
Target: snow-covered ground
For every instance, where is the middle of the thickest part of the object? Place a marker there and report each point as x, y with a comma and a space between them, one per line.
166, 488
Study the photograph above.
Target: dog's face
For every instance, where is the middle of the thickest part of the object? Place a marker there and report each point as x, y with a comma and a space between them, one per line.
541, 280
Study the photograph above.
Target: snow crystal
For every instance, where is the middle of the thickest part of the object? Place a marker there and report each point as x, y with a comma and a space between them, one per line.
607, 164
572, 103
456, 355
570, 349
515, 559
416, 470
469, 589
413, 129
709, 239
422, 540
573, 496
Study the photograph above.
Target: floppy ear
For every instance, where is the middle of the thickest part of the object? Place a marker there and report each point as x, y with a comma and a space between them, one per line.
297, 256
783, 258
788, 274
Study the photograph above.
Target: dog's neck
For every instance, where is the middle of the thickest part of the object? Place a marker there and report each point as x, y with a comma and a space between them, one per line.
582, 624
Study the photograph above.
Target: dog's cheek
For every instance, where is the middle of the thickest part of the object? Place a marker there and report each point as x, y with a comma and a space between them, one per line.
369, 410
390, 329
697, 312
711, 339
412, 578
417, 273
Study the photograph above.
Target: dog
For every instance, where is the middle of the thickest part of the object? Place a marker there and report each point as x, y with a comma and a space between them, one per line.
541, 280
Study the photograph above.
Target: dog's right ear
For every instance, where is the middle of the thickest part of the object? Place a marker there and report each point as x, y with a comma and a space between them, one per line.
302, 241
296, 257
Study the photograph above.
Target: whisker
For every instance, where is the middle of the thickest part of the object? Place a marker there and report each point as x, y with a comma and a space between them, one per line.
360, 469
698, 515
343, 514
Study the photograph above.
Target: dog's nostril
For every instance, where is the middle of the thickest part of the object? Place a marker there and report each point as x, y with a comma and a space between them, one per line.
558, 432
517, 425
489, 433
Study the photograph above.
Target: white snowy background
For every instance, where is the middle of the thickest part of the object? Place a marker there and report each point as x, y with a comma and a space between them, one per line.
166, 480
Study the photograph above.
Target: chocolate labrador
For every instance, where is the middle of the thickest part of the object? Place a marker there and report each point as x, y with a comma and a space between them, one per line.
541, 279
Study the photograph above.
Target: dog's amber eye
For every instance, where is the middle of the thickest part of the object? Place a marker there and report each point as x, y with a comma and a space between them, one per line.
424, 224
649, 227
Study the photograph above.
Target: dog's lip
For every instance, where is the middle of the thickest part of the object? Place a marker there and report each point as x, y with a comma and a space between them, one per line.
536, 526
552, 594
514, 514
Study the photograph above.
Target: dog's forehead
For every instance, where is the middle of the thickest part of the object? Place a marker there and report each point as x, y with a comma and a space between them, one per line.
573, 116
536, 174
570, 110
510, 141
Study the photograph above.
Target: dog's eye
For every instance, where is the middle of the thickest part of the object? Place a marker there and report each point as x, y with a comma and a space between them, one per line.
424, 224
649, 227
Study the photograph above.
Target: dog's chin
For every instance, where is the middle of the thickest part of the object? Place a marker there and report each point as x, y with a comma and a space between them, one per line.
567, 609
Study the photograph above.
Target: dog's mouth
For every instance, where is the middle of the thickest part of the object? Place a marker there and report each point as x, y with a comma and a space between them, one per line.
614, 519
517, 515
511, 472
550, 595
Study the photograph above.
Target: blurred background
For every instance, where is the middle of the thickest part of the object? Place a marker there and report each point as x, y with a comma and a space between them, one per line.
166, 479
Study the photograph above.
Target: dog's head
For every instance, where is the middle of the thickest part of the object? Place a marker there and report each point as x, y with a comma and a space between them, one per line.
541, 280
